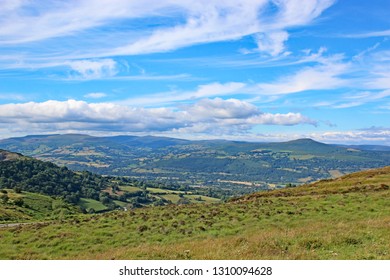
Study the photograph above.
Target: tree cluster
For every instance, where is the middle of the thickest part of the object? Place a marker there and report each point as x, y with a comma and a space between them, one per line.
47, 178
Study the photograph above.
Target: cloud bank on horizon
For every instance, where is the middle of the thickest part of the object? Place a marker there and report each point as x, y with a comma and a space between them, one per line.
260, 70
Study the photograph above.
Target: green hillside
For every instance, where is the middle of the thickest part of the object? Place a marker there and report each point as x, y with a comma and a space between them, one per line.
344, 218
27, 174
20, 175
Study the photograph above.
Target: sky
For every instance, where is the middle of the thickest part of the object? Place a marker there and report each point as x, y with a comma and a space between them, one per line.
252, 70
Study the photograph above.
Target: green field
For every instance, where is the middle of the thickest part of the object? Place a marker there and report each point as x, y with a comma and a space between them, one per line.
156, 190
170, 195
345, 218
130, 189
88, 203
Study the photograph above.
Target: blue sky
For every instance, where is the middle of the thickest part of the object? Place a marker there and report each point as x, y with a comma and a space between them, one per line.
252, 70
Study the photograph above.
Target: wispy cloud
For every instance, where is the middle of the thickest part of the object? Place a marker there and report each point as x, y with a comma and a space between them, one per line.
195, 22
202, 91
381, 33
360, 98
310, 78
29, 21
151, 77
12, 96
213, 21
95, 95
326, 74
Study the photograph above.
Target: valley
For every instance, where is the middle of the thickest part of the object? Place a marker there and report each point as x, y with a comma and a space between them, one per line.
231, 166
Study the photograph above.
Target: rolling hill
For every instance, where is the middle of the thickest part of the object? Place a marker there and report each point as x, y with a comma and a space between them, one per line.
344, 218
31, 189
236, 167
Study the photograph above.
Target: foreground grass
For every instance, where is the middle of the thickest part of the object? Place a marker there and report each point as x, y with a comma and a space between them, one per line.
347, 218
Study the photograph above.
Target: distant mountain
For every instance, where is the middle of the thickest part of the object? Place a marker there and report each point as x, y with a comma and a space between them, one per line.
233, 165
33, 144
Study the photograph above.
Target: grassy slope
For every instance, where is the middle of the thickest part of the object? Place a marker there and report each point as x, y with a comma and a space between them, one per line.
36, 207
346, 218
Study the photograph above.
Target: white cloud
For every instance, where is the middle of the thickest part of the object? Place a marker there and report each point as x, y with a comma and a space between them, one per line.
272, 42
95, 95
218, 108
281, 119
216, 89
205, 116
93, 69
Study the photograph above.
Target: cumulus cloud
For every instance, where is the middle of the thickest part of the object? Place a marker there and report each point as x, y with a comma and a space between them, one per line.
204, 116
281, 119
208, 118
222, 109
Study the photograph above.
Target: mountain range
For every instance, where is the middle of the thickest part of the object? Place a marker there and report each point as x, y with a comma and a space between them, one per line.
231, 165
